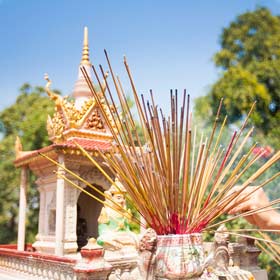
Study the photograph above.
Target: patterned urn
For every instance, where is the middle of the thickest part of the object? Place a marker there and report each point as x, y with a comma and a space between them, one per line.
179, 256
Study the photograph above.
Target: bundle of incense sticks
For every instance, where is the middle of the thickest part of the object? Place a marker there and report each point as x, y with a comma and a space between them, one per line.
177, 183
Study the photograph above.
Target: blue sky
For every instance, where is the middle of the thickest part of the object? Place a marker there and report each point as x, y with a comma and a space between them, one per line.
169, 44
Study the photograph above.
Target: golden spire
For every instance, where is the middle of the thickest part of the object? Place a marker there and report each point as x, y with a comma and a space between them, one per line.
85, 54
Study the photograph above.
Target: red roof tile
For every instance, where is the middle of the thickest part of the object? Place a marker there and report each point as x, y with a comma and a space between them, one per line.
87, 144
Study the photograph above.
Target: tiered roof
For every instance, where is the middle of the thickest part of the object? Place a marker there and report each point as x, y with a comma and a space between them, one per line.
77, 120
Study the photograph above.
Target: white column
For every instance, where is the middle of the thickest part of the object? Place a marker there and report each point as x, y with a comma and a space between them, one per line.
22, 209
59, 225
42, 192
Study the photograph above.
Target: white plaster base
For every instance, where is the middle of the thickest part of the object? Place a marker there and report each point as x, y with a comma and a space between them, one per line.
46, 245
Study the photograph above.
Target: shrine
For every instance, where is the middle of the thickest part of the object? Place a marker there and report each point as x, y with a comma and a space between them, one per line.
65, 245
64, 209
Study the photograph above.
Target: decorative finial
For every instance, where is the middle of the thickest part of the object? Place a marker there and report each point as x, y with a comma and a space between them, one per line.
51, 94
85, 54
49, 82
18, 147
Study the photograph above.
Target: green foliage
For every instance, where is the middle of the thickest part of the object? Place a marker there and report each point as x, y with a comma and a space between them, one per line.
269, 265
250, 63
253, 36
272, 190
240, 89
27, 119
133, 225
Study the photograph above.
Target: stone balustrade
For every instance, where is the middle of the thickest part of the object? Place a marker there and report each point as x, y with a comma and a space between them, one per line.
239, 259
37, 266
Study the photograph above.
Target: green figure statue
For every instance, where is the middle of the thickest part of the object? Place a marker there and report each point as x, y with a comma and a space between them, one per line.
113, 226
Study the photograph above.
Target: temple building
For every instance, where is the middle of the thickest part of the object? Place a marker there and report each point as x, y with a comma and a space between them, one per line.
66, 211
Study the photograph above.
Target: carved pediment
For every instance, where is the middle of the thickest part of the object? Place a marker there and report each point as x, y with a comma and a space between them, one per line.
95, 121
86, 120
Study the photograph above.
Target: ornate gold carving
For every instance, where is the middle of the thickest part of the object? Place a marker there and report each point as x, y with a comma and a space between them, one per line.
72, 114
18, 149
95, 121
57, 98
67, 116
56, 125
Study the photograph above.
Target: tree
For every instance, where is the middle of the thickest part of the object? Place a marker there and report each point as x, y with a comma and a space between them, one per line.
27, 119
250, 62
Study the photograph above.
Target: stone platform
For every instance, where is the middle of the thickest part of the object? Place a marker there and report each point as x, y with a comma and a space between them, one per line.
92, 265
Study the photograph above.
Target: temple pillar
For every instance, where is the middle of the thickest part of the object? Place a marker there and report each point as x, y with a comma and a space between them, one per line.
22, 209
41, 226
59, 225
70, 218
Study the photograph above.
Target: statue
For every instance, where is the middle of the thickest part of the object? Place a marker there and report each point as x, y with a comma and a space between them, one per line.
113, 226
120, 243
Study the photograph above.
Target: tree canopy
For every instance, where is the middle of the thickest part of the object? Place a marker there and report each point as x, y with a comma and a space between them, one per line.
249, 60
249, 63
26, 118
